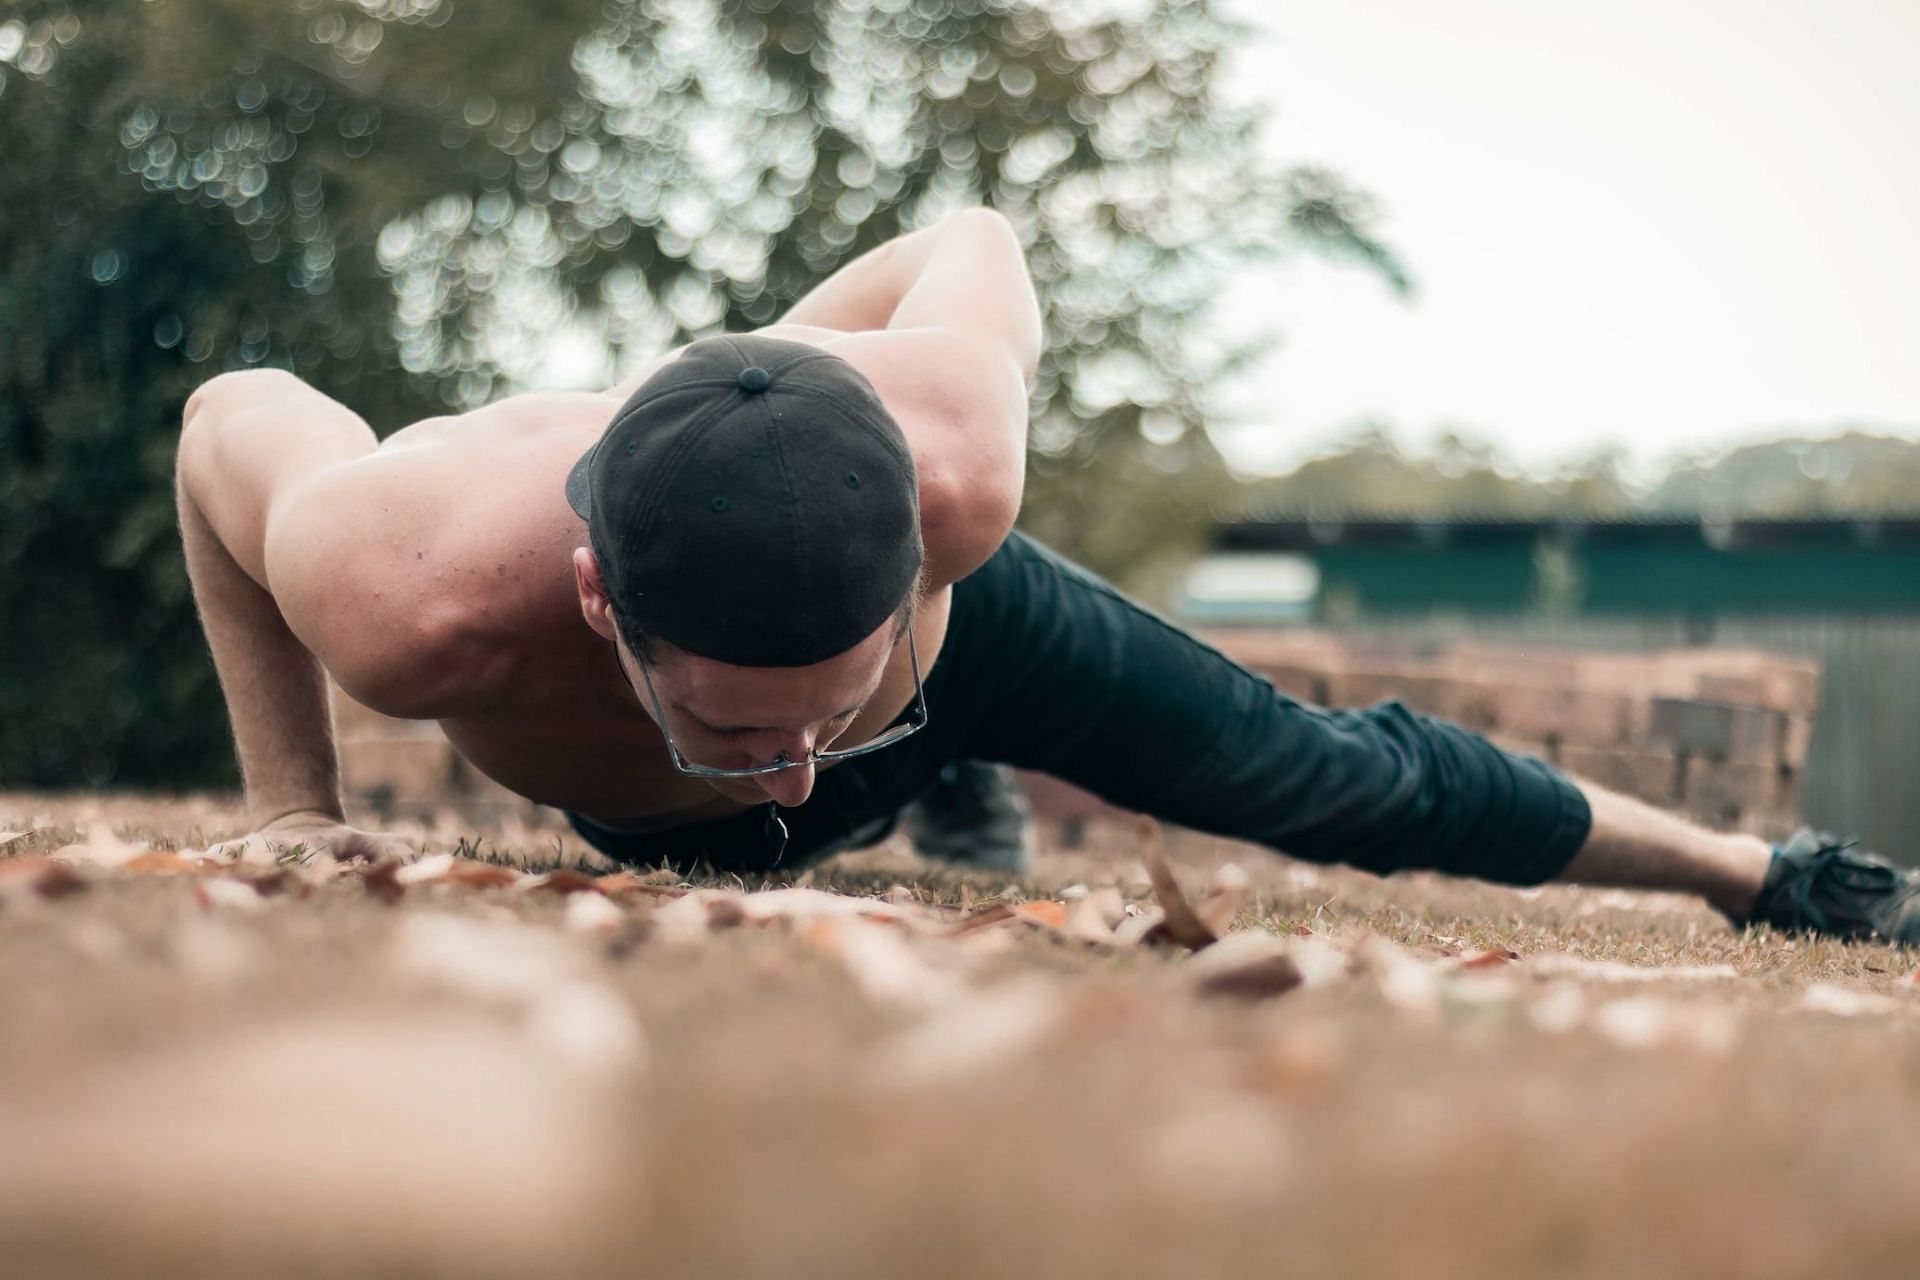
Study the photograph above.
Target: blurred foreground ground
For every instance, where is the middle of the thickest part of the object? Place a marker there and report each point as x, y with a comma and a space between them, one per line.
451, 1079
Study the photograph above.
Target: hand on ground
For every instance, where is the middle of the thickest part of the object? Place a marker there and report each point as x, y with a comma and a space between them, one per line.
312, 832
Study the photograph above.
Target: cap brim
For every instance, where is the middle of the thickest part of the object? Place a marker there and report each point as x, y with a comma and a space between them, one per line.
579, 489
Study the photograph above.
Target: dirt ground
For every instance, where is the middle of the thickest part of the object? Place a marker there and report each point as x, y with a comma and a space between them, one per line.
294, 1069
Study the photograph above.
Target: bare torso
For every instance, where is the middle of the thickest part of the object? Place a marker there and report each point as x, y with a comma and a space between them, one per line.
539, 703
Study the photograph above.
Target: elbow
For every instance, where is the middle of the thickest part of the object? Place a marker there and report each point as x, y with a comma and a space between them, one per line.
964, 519
209, 400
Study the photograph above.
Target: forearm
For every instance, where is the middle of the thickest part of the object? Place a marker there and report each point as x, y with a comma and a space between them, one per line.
863, 294
275, 689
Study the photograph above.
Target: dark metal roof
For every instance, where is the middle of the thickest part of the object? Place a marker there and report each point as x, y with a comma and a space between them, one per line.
1308, 532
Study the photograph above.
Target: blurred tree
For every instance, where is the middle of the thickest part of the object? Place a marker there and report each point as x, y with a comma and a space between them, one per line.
1461, 476
424, 203
1854, 473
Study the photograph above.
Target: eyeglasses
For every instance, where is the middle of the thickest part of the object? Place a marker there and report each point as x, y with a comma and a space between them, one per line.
885, 739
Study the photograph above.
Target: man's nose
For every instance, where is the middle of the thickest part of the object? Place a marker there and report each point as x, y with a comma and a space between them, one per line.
789, 787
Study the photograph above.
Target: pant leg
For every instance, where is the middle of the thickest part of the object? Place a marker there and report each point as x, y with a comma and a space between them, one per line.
1064, 675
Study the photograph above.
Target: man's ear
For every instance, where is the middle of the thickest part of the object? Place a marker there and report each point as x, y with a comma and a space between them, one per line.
595, 605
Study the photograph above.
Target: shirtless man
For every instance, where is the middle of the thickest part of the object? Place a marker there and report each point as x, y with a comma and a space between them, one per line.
740, 609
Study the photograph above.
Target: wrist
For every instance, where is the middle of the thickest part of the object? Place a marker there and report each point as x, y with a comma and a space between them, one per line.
298, 815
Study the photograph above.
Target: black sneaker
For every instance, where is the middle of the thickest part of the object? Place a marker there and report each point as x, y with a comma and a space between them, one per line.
1819, 883
974, 816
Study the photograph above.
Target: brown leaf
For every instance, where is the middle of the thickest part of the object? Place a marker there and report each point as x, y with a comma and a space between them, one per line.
482, 875
999, 913
563, 882
278, 883
1249, 966
31, 873
1487, 958
158, 864
383, 882
725, 913
1181, 925
1051, 914
1255, 980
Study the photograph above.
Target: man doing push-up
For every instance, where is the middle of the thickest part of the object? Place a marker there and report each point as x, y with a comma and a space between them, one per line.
743, 608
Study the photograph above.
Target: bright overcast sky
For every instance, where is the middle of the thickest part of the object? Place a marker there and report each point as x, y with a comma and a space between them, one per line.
1666, 223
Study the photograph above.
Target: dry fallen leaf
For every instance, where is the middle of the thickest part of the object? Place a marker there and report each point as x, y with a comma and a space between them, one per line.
154, 863
31, 873
383, 882
1487, 958
1051, 914
564, 881
1180, 924
482, 875
8, 837
986, 917
1247, 966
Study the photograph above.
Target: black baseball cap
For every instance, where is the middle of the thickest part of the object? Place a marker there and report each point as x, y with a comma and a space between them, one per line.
753, 502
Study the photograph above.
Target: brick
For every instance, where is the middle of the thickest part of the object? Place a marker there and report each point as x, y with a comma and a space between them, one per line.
1365, 688
1796, 740
1561, 714
1761, 680
1787, 790
410, 768
1717, 730
1721, 794
1652, 776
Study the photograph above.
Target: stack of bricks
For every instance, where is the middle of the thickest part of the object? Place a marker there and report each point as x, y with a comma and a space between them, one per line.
1719, 735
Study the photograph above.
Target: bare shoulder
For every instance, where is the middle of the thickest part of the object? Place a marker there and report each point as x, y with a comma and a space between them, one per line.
412, 571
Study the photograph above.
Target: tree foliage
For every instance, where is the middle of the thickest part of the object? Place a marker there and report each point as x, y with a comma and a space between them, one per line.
418, 204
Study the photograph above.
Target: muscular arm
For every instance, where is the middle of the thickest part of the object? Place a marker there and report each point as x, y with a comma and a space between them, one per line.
952, 329
246, 439
963, 276
256, 451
